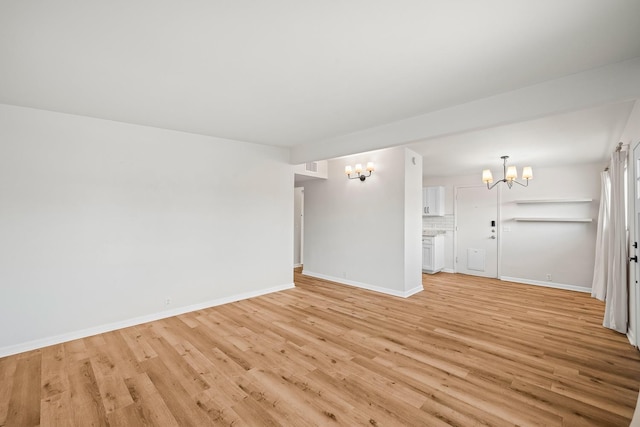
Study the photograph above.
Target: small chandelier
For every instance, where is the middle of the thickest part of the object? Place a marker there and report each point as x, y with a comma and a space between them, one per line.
348, 171
509, 175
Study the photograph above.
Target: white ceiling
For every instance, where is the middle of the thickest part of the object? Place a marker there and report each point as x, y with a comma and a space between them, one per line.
585, 136
294, 74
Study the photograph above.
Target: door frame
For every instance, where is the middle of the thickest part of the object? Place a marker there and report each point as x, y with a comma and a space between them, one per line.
301, 237
498, 226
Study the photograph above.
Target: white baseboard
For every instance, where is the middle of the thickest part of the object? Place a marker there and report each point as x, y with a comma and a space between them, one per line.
632, 338
297, 265
83, 333
546, 284
366, 286
444, 270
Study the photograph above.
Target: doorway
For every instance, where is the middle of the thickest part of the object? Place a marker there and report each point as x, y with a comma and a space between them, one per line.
634, 289
476, 231
298, 226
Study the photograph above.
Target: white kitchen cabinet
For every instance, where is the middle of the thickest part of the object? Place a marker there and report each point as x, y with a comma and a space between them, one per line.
432, 253
433, 201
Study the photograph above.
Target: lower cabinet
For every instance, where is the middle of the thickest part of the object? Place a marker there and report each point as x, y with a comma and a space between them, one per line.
432, 254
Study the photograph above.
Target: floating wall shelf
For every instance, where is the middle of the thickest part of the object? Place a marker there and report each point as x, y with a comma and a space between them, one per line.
573, 200
553, 219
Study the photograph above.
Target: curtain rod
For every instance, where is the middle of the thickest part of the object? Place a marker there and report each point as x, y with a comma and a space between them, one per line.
620, 145
618, 148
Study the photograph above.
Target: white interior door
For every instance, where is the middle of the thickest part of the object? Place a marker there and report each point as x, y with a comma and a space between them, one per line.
477, 231
634, 291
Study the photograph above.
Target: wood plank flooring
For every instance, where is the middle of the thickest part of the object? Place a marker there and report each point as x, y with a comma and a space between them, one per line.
467, 351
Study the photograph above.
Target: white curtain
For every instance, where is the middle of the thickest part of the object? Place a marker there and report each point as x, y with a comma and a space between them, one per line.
616, 306
600, 270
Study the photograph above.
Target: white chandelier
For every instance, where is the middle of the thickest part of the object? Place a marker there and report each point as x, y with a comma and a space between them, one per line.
509, 175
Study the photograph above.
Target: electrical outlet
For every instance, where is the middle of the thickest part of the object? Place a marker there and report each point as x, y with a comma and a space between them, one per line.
548, 277
167, 302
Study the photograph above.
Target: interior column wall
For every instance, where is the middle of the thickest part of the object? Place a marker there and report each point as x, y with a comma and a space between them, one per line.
364, 233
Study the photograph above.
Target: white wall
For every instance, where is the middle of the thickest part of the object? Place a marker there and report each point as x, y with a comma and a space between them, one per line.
367, 234
412, 221
531, 250
563, 250
101, 221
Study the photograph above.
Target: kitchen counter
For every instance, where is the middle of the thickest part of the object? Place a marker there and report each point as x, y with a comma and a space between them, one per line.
432, 232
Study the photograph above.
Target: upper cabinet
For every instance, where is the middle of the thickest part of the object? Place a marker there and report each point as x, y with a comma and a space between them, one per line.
433, 201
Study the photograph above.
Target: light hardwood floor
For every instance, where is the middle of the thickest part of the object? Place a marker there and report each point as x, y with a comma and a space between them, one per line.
466, 351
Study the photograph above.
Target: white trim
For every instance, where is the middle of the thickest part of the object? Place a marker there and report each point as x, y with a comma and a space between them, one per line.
631, 337
448, 270
546, 284
83, 333
554, 219
366, 286
567, 200
297, 265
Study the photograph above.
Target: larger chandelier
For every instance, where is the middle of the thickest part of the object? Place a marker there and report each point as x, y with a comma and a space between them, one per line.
509, 175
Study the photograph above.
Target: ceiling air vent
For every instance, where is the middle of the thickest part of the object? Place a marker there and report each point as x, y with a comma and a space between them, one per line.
311, 167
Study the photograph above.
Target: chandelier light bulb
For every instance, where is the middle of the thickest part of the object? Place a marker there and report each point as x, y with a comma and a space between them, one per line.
487, 177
